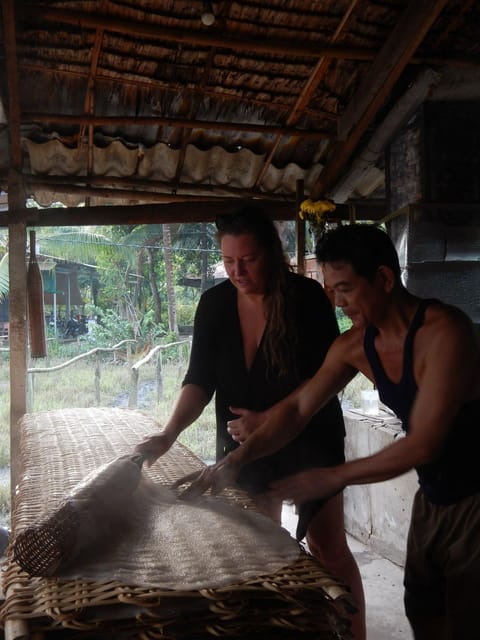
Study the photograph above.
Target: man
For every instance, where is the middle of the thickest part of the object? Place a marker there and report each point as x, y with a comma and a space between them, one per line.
424, 358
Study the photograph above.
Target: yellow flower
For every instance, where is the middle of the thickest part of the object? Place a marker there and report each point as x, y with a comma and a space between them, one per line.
316, 210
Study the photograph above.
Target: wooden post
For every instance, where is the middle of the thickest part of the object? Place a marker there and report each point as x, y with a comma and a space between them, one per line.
18, 341
17, 239
97, 380
159, 376
300, 229
30, 392
133, 396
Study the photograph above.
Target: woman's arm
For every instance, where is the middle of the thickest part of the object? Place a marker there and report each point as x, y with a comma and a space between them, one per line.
189, 405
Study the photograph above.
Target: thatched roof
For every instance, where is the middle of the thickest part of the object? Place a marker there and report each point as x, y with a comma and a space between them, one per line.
125, 105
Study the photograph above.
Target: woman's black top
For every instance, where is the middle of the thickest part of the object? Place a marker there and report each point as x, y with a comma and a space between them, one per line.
217, 364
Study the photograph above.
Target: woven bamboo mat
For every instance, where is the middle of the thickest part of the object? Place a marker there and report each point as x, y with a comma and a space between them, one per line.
291, 597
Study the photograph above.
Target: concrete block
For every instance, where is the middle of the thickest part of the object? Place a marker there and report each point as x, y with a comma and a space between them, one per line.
378, 514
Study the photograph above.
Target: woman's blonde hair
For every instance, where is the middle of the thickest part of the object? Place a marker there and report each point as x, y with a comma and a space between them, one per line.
280, 333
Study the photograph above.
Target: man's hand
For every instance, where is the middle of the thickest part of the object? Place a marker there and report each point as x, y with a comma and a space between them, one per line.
240, 428
313, 484
215, 477
153, 447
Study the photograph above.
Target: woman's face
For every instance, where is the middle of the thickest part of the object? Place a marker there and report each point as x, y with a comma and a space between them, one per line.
245, 262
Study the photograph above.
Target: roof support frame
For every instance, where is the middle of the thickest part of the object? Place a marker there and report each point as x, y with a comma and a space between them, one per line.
377, 84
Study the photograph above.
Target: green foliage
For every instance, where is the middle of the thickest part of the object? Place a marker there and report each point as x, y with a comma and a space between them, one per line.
4, 282
169, 337
110, 329
64, 349
82, 244
4, 430
178, 353
186, 313
344, 322
5, 503
149, 329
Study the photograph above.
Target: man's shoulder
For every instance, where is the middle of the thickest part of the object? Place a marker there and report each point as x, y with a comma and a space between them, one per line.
349, 345
443, 315
446, 324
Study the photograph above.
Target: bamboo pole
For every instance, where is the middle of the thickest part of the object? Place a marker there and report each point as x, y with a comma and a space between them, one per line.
36, 315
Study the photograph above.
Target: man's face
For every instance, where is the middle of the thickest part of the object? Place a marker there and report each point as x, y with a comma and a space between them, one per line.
358, 298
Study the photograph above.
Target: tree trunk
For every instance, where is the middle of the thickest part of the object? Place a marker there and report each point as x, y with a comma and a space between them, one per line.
152, 276
138, 283
172, 307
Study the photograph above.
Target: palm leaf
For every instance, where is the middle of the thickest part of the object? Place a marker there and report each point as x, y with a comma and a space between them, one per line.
79, 245
4, 279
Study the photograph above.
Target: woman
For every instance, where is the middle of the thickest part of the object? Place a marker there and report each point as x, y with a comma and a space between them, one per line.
258, 336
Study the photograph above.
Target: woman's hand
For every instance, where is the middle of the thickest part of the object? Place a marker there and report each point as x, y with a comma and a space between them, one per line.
153, 447
240, 428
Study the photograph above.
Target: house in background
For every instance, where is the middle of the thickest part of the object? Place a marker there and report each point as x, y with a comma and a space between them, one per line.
62, 295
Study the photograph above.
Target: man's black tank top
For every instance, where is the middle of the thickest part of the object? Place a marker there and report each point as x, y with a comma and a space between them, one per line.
455, 473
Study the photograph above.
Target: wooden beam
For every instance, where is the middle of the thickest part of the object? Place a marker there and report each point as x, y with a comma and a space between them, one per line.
141, 188
182, 211
86, 119
201, 38
399, 47
377, 84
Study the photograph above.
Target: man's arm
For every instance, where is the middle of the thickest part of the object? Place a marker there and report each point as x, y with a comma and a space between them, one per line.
286, 419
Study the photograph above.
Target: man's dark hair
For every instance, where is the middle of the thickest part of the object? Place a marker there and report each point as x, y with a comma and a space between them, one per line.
364, 246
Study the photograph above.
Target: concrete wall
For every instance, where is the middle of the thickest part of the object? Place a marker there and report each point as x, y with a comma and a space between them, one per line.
378, 514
